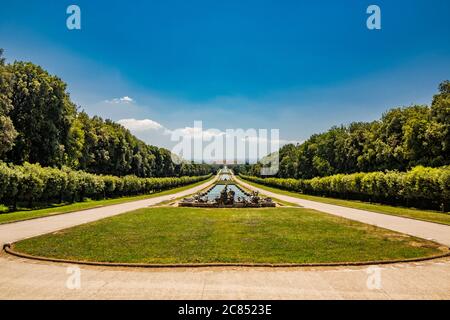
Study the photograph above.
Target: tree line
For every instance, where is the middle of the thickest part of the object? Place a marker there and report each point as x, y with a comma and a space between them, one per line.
31, 184
402, 139
40, 124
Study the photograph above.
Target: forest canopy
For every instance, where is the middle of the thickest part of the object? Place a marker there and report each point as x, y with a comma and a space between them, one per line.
40, 124
402, 139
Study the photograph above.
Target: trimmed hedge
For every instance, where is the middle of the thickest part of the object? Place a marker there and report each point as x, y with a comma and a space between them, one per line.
32, 183
420, 187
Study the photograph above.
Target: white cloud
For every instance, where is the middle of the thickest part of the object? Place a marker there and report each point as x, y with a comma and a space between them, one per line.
198, 133
155, 133
125, 100
135, 125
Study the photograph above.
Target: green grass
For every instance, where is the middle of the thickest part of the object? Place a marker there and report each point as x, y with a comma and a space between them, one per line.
427, 215
89, 204
196, 235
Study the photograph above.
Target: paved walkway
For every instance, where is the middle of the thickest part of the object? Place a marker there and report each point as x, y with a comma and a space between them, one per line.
27, 279
427, 230
26, 229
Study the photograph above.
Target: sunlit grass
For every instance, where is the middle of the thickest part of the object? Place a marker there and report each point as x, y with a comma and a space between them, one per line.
195, 235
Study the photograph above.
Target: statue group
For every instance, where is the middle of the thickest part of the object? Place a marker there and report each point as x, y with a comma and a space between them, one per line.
226, 197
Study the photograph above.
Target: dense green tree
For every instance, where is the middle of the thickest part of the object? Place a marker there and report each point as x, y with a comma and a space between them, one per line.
7, 130
401, 139
439, 132
7, 134
40, 124
42, 114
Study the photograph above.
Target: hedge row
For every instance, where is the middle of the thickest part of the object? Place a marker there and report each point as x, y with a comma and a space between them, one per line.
32, 183
421, 187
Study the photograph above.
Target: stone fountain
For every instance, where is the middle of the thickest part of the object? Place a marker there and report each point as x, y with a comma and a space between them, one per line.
227, 199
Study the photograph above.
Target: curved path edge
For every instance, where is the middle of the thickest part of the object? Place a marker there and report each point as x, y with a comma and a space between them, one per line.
9, 249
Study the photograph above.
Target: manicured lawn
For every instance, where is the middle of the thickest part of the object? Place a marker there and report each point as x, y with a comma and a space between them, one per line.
427, 215
89, 204
195, 235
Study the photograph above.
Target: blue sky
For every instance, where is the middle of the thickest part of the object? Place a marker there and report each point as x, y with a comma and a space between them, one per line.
299, 66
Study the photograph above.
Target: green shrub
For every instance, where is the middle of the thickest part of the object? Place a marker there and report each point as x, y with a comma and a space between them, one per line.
32, 183
420, 187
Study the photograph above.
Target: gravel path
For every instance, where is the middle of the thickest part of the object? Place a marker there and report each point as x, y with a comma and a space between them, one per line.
25, 279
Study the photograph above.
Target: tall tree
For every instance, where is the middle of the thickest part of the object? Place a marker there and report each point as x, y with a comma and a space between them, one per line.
42, 114
7, 130
439, 133
401, 139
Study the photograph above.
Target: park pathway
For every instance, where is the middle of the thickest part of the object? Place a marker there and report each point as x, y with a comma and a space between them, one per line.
27, 279
426, 230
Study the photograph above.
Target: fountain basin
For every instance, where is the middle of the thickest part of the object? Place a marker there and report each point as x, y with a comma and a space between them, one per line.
228, 195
